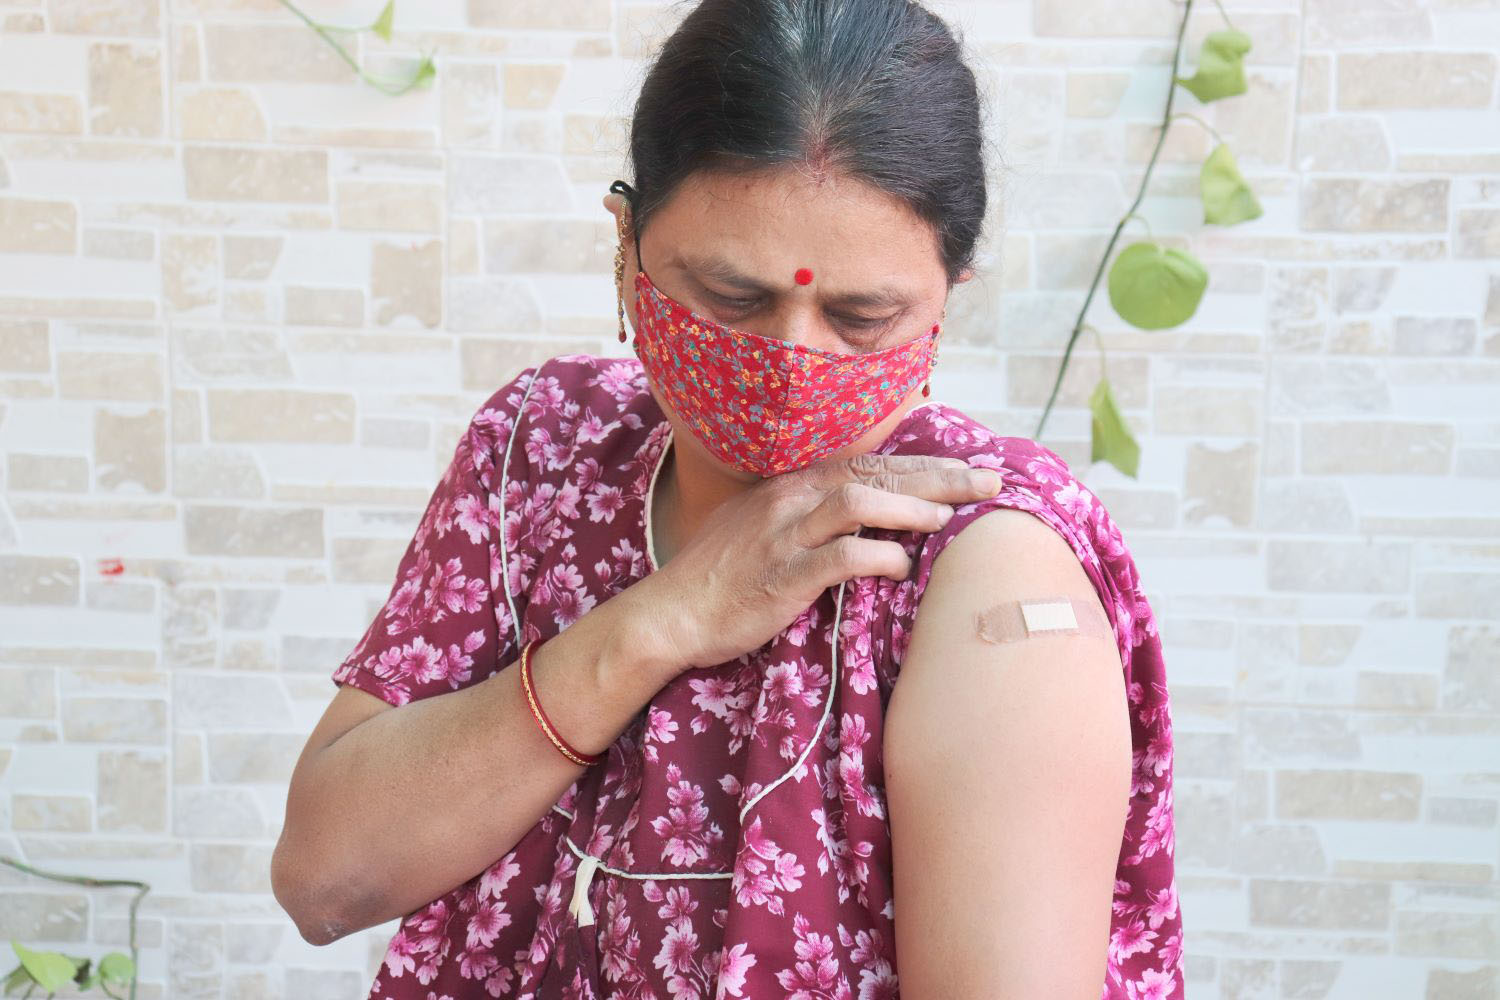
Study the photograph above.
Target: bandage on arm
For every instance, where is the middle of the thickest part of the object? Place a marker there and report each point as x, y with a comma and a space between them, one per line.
1034, 617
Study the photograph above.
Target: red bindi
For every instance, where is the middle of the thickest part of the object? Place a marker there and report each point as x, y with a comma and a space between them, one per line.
803, 276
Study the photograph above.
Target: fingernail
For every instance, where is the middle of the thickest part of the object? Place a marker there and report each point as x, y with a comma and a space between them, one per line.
985, 479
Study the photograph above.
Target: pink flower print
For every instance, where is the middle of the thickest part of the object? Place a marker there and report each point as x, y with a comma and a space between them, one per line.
719, 696
1159, 833
486, 921
547, 394
455, 591
496, 877
1163, 906
1171, 948
1152, 985
949, 432
619, 946
1048, 470
734, 964
1129, 937
593, 429
398, 954
762, 869
452, 666
678, 902
878, 982
786, 682
570, 595
1075, 499
499, 984
477, 963
686, 978
677, 948
660, 728
604, 502
471, 516
618, 379
683, 827
398, 609
816, 973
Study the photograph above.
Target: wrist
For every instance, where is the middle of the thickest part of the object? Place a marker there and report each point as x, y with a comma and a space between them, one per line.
637, 652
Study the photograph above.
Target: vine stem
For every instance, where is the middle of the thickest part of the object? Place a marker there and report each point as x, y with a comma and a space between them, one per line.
1161, 138
141, 889
325, 32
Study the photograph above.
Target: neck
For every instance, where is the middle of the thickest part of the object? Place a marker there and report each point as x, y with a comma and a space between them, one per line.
688, 490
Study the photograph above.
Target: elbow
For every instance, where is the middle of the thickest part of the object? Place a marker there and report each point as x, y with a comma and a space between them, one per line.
311, 907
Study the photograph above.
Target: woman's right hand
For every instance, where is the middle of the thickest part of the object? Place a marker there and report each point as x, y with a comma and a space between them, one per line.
762, 557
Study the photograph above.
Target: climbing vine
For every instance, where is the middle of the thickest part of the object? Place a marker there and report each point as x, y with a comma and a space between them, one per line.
50, 971
1152, 287
380, 28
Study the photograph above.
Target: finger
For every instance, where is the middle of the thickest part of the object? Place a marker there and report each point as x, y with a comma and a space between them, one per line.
850, 556
943, 485
830, 472
852, 505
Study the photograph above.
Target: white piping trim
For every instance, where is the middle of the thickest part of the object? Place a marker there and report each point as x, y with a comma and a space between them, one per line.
661, 460
515, 429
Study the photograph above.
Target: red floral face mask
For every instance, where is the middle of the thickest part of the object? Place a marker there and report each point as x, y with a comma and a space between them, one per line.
761, 404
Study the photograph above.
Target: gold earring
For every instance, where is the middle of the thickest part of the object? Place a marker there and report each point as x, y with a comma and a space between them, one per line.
927, 385
620, 272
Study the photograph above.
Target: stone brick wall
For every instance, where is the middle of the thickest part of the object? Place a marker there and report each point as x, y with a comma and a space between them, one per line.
247, 305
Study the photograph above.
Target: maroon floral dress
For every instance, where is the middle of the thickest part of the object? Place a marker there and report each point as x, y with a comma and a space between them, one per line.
735, 841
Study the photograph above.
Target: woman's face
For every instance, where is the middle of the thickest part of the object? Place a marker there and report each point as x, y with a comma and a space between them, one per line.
728, 247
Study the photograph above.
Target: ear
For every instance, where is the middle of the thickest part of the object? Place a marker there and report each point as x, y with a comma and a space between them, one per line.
964, 275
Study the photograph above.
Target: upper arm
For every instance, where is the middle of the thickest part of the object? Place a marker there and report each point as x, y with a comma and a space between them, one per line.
1008, 771
445, 623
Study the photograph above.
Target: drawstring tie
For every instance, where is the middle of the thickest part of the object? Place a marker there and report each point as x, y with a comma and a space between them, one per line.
580, 907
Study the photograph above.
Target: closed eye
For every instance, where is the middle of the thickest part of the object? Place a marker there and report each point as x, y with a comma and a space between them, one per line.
852, 322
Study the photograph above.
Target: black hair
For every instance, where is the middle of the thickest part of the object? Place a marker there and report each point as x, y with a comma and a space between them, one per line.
876, 89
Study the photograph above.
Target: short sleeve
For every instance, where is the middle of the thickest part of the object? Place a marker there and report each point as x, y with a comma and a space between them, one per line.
1040, 483
447, 622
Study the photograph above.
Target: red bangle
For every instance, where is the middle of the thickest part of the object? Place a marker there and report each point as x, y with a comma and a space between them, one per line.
563, 747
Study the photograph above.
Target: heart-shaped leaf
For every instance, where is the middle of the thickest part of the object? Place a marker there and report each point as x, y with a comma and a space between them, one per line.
1111, 438
116, 967
425, 72
51, 970
382, 25
1221, 66
1227, 199
1153, 288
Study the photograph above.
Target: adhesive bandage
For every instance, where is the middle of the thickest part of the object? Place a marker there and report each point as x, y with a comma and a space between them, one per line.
1012, 621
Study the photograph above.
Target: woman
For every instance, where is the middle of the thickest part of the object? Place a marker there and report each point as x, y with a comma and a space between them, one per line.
628, 724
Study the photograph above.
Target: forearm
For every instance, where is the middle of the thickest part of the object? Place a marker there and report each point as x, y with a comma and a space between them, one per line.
419, 799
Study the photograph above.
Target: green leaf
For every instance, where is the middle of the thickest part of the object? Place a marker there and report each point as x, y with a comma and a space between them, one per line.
1112, 441
116, 967
1221, 66
382, 25
51, 970
18, 977
1152, 288
1227, 199
425, 72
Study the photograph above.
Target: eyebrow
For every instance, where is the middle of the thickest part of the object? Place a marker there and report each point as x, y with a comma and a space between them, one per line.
715, 266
